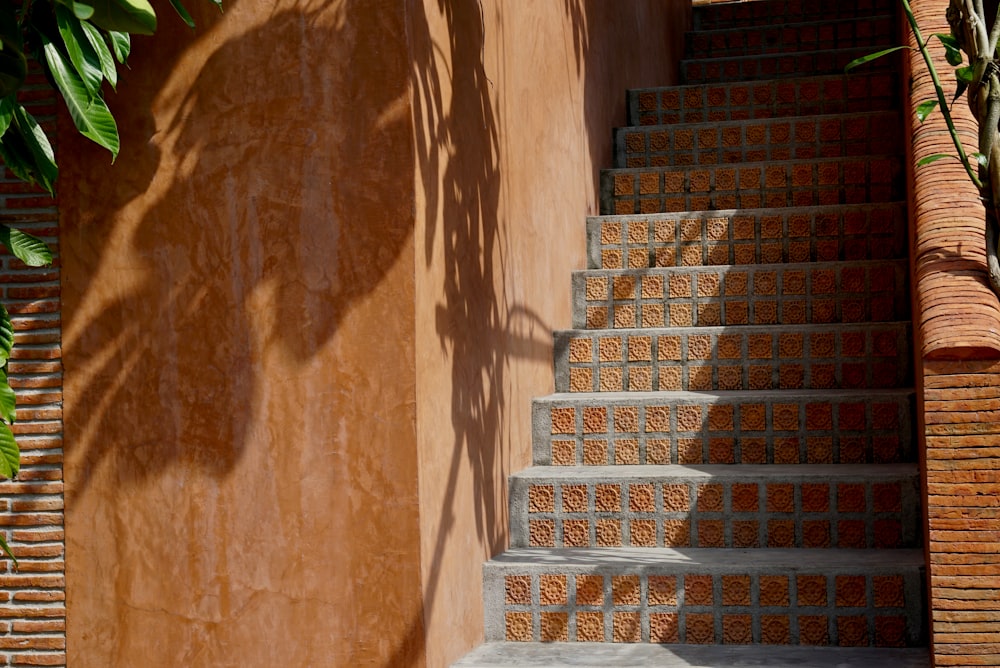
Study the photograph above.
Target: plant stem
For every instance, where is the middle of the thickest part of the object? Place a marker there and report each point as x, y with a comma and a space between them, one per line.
942, 100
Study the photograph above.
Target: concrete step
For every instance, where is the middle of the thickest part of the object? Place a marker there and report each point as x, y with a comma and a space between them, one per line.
790, 37
771, 12
759, 140
756, 185
749, 236
720, 506
765, 294
746, 357
601, 655
693, 428
773, 65
873, 89
848, 598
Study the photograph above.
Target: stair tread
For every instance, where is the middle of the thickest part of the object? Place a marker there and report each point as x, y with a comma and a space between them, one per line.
736, 560
865, 49
789, 472
793, 24
605, 655
721, 213
770, 120
727, 329
769, 266
667, 396
875, 68
763, 163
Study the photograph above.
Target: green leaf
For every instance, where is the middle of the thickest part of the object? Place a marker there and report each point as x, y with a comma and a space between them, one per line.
6, 112
925, 108
932, 158
981, 159
872, 56
131, 16
90, 115
13, 64
42, 156
100, 47
948, 40
6, 549
959, 89
8, 402
121, 43
182, 12
6, 335
27, 248
16, 157
24, 147
964, 74
10, 454
81, 53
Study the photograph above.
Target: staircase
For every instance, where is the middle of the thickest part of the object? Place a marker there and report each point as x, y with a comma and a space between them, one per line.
726, 473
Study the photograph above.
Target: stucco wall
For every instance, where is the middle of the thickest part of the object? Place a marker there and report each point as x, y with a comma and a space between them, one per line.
239, 321
513, 104
306, 311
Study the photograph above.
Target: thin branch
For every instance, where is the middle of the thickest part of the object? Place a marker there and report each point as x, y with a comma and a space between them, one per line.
994, 37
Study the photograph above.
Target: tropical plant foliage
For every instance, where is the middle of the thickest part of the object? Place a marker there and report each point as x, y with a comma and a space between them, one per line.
78, 45
970, 39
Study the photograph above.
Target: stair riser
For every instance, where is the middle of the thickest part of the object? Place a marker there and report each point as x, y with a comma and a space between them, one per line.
850, 428
822, 36
692, 239
807, 96
759, 141
752, 186
738, 358
770, 12
858, 607
772, 66
733, 512
792, 295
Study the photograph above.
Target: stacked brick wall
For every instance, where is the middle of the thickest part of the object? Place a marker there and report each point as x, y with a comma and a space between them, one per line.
958, 328
32, 597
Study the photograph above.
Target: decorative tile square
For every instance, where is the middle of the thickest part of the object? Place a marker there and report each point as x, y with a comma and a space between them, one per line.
625, 590
589, 590
518, 627
552, 589
517, 589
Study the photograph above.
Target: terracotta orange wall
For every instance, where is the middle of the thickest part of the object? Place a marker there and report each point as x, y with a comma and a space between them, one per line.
513, 104
241, 477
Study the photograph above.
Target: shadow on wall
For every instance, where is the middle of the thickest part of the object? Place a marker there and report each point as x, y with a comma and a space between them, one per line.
601, 28
460, 159
258, 225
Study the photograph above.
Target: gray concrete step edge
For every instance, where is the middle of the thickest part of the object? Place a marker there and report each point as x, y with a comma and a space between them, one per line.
604, 655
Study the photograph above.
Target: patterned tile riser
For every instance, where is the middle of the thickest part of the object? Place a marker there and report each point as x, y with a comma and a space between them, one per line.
796, 294
852, 429
733, 358
794, 37
848, 513
739, 101
818, 182
759, 140
772, 66
848, 609
820, 234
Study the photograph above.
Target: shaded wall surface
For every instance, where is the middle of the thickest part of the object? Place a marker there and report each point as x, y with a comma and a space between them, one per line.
241, 481
513, 104
306, 311
957, 324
